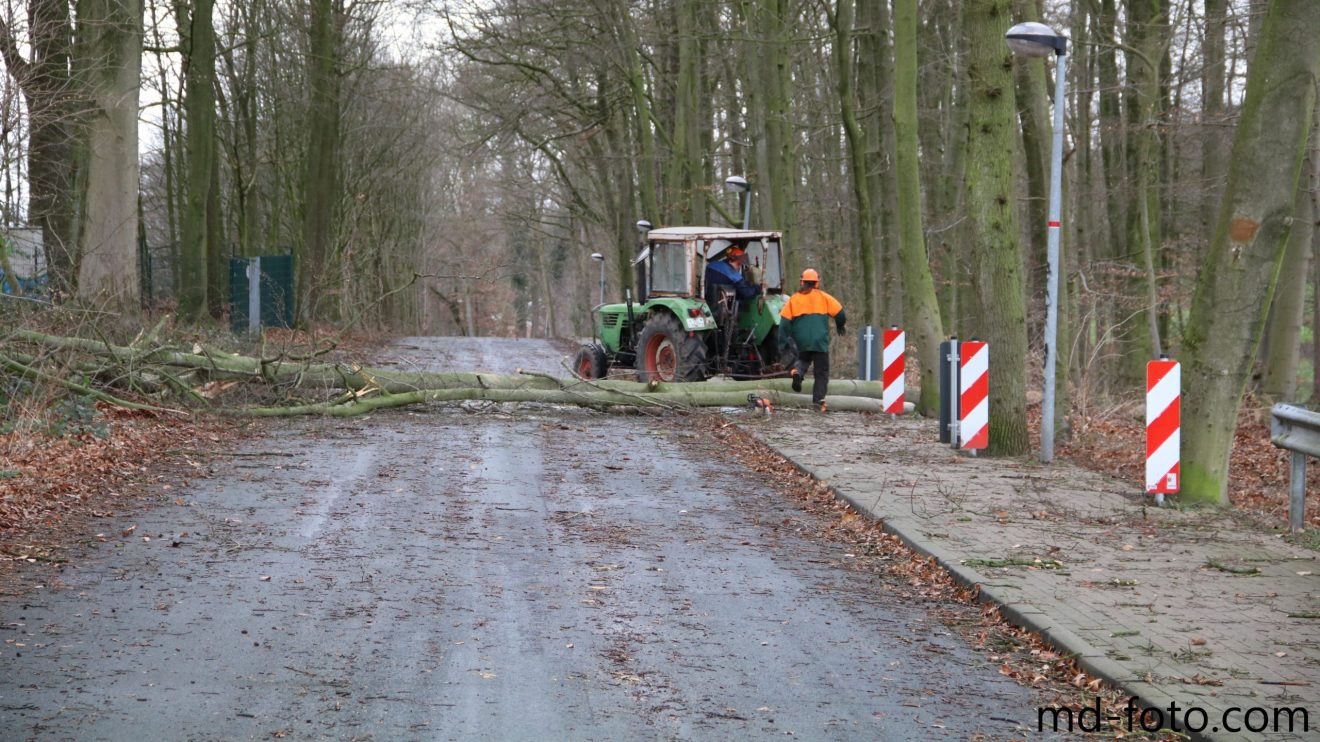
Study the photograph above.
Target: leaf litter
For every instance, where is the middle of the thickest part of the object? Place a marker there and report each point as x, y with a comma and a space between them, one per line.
1021, 655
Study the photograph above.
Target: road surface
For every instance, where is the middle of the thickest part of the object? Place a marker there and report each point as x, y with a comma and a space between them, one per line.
448, 573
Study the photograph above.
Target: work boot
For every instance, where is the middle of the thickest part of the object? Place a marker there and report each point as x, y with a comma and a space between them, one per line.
797, 380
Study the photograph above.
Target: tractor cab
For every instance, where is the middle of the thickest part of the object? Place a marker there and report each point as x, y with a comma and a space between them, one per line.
674, 259
681, 327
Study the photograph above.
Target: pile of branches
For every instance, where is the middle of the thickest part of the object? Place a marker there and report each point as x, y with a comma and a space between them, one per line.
146, 374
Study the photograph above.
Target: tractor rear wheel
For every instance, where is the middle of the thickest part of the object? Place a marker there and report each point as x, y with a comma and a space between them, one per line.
590, 362
666, 353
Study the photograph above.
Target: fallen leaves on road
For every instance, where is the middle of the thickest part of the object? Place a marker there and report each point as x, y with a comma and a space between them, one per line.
1021, 655
50, 483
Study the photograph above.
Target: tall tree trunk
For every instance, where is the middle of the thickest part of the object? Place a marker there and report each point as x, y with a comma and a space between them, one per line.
317, 276
1315, 297
217, 252
921, 314
110, 68
996, 252
1112, 146
1148, 28
199, 118
1251, 234
1214, 122
1284, 332
949, 194
1034, 114
875, 85
871, 36
687, 198
54, 110
771, 25
843, 71
642, 125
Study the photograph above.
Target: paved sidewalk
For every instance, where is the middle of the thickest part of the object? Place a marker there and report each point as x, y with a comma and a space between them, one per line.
1202, 610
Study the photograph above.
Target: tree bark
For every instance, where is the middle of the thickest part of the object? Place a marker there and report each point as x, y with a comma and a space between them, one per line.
921, 310
843, 71
1213, 119
996, 251
1034, 113
1284, 333
1315, 298
110, 64
55, 111
199, 122
316, 296
1237, 281
1148, 28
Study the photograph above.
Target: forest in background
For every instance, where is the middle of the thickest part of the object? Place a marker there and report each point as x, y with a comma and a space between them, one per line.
449, 167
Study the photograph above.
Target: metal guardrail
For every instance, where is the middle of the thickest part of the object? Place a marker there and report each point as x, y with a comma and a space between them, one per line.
1297, 430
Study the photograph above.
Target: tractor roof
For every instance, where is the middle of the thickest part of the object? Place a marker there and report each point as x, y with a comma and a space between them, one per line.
724, 233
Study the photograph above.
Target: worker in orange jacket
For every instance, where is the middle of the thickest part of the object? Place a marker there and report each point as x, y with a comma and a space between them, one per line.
807, 315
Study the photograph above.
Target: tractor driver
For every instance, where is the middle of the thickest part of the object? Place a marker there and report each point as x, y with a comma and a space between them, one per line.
728, 271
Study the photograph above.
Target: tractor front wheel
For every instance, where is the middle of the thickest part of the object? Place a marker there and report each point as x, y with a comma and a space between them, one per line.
666, 353
590, 362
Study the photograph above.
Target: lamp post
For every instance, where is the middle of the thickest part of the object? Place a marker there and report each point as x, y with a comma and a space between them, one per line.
739, 184
1038, 40
600, 259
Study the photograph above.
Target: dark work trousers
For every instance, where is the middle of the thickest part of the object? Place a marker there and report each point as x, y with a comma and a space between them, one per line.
819, 360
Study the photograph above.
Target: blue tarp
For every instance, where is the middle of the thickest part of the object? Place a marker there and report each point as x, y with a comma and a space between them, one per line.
29, 286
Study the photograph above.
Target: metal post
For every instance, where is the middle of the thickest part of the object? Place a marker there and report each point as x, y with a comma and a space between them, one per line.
955, 394
1297, 495
945, 395
1052, 284
602, 282
868, 341
254, 294
747, 211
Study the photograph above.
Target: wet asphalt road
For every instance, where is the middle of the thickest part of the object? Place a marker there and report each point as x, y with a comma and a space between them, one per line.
504, 574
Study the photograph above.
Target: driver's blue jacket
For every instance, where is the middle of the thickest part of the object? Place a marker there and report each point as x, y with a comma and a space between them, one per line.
720, 273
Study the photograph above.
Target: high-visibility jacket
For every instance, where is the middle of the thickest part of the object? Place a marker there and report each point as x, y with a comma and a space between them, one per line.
807, 316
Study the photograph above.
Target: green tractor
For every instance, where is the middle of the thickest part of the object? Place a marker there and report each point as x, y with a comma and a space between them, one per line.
679, 329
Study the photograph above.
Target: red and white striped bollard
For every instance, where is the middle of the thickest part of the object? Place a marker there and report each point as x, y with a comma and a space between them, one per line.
895, 345
974, 395
1163, 427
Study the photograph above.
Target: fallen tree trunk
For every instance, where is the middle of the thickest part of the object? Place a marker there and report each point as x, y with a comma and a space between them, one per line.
330, 376
597, 399
363, 390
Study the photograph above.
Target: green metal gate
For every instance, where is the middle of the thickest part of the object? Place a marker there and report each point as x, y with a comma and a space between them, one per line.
273, 303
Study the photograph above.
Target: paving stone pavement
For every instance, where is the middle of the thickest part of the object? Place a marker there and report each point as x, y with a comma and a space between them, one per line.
1203, 610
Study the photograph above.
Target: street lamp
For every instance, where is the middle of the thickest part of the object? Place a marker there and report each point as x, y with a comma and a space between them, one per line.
1033, 39
600, 259
739, 184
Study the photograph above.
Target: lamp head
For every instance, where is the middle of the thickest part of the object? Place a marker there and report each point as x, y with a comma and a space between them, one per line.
643, 226
1033, 39
597, 256
736, 183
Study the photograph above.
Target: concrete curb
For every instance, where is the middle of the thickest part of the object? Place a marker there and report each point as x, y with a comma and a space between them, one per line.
1023, 615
